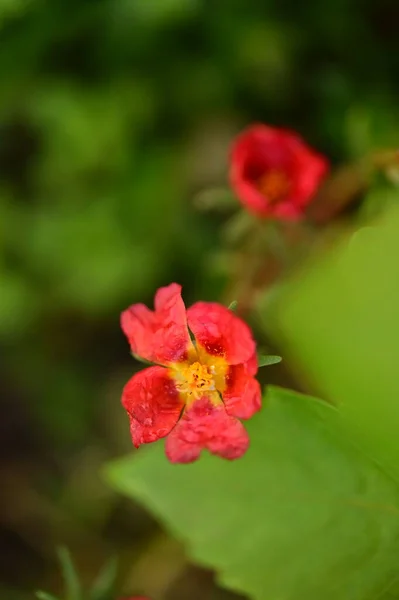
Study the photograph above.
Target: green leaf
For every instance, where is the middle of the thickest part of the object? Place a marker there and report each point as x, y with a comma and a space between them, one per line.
265, 360
72, 584
103, 586
341, 323
233, 306
303, 515
45, 596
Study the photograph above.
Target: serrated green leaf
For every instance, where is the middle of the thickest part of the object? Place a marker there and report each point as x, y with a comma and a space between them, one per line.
73, 589
45, 596
303, 515
265, 360
341, 324
102, 588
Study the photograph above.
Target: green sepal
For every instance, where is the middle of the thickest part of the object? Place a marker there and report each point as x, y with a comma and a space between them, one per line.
142, 360
265, 360
233, 306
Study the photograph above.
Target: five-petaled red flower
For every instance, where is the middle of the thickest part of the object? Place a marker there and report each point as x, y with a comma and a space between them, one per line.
274, 173
199, 389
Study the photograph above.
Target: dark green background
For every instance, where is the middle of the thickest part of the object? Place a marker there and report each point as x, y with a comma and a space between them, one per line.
114, 115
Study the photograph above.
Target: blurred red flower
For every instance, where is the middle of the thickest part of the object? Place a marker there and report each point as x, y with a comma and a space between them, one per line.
274, 173
197, 389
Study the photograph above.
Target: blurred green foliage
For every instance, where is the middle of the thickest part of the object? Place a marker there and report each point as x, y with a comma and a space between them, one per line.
114, 115
101, 589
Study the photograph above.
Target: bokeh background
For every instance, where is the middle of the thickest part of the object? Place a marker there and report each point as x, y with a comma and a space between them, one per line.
114, 116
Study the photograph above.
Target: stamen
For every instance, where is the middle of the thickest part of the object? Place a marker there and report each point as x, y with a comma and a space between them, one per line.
195, 380
274, 184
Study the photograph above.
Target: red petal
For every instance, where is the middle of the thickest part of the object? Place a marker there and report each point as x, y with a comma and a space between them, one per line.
205, 425
220, 332
160, 336
261, 148
152, 403
252, 365
242, 397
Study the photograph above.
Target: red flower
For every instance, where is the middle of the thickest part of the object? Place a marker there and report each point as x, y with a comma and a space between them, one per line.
274, 173
198, 389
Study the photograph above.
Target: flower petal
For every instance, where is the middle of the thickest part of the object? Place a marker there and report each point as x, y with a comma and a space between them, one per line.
153, 404
242, 397
160, 336
219, 332
205, 425
251, 365
261, 149
307, 170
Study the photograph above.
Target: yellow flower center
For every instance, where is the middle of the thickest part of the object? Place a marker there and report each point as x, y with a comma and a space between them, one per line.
274, 184
195, 380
